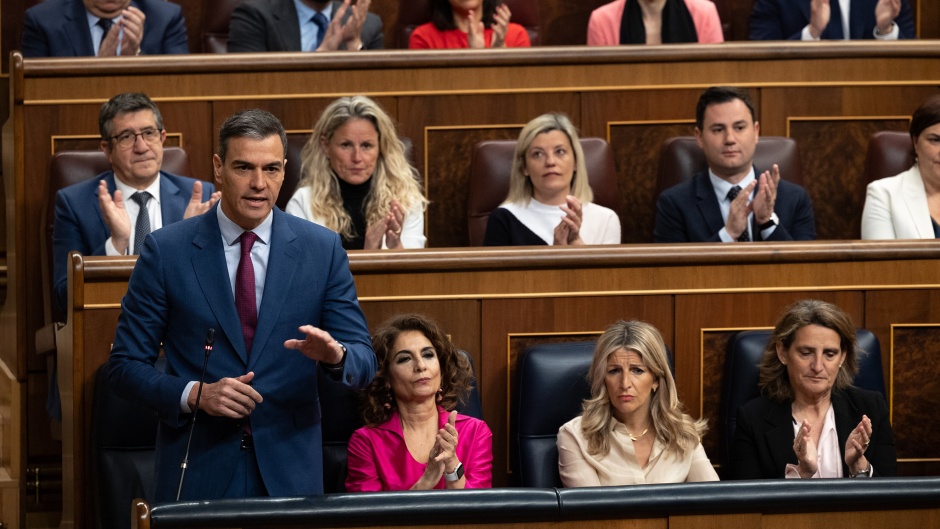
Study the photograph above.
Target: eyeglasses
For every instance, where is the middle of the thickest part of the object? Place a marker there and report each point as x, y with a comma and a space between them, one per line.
127, 139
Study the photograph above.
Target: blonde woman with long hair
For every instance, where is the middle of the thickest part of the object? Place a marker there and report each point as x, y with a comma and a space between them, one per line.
357, 181
633, 429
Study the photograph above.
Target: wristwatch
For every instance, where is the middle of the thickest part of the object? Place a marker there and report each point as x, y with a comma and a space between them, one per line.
865, 472
772, 221
456, 474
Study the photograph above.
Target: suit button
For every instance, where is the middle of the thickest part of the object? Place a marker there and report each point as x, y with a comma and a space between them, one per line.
348, 378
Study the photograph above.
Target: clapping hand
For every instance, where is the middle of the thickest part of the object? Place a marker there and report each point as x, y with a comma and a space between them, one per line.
568, 231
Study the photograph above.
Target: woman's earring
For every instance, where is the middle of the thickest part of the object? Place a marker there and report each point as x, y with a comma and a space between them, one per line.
388, 400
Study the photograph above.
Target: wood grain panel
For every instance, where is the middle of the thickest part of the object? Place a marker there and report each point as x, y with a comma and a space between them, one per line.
915, 383
837, 198
636, 156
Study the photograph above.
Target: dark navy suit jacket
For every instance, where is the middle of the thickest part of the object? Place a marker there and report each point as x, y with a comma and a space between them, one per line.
271, 25
785, 19
179, 289
763, 438
59, 28
689, 212
79, 224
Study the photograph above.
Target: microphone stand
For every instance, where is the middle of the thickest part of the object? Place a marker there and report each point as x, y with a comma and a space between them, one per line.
210, 339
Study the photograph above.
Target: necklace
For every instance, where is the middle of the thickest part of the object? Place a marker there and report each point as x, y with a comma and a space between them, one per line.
635, 438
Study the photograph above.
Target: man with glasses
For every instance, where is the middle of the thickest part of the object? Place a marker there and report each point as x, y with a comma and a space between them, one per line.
113, 212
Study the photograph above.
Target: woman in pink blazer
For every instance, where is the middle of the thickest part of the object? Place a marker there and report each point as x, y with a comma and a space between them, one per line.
673, 21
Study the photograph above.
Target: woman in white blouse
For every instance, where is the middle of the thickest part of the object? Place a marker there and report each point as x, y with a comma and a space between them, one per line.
907, 206
356, 180
633, 429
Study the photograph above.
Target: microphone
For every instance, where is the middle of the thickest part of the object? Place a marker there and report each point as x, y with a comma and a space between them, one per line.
210, 338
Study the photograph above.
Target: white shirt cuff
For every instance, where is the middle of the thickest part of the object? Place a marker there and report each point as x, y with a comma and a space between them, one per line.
805, 35
891, 35
110, 250
184, 398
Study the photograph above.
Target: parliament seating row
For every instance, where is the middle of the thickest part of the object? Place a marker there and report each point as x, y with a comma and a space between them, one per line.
411, 14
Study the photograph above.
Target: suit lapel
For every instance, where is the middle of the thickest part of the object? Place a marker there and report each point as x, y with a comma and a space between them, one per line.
212, 274
172, 208
779, 435
283, 261
708, 204
915, 199
289, 24
77, 32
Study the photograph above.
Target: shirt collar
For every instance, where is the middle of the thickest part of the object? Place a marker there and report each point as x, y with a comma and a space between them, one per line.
305, 12
722, 186
231, 231
127, 191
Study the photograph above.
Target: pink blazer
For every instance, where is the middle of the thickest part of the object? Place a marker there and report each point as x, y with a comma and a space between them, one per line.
379, 459
604, 26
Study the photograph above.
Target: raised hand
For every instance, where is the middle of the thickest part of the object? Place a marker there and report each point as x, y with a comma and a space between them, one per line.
317, 345
196, 206
763, 203
128, 32
568, 231
475, 31
885, 13
115, 217
805, 449
819, 13
500, 25
738, 212
856, 444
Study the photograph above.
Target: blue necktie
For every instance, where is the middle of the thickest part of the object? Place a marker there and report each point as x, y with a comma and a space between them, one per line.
322, 23
142, 227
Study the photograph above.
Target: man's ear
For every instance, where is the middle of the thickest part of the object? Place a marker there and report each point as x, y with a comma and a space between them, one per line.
217, 169
757, 129
698, 137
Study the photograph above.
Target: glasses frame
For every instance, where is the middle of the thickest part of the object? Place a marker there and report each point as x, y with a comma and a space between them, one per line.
135, 135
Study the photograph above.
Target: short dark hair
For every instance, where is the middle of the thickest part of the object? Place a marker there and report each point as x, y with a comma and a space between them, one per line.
717, 95
122, 104
442, 14
456, 373
926, 115
253, 123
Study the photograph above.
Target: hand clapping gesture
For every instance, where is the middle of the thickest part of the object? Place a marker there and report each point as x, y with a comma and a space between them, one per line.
389, 227
196, 206
127, 33
115, 217
885, 13
346, 32
819, 13
442, 458
805, 449
856, 444
568, 231
500, 25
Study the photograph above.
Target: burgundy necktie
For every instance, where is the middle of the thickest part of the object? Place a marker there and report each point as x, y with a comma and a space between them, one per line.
245, 291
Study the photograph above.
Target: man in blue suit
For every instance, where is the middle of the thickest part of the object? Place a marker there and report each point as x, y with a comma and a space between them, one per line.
94, 217
103, 28
831, 20
730, 201
279, 295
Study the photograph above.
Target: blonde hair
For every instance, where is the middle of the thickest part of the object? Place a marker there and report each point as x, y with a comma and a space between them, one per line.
394, 177
675, 428
520, 186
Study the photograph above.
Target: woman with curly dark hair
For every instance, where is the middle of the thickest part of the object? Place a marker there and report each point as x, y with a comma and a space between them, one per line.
413, 438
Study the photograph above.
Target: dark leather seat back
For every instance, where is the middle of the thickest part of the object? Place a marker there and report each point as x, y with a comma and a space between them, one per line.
122, 452
72, 167
413, 13
681, 157
339, 408
551, 385
217, 14
889, 153
742, 376
489, 180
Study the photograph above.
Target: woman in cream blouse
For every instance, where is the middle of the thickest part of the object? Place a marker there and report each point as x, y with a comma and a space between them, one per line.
632, 429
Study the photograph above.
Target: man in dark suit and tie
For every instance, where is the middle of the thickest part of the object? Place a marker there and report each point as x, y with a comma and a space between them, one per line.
279, 295
304, 25
730, 201
101, 216
103, 28
831, 20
